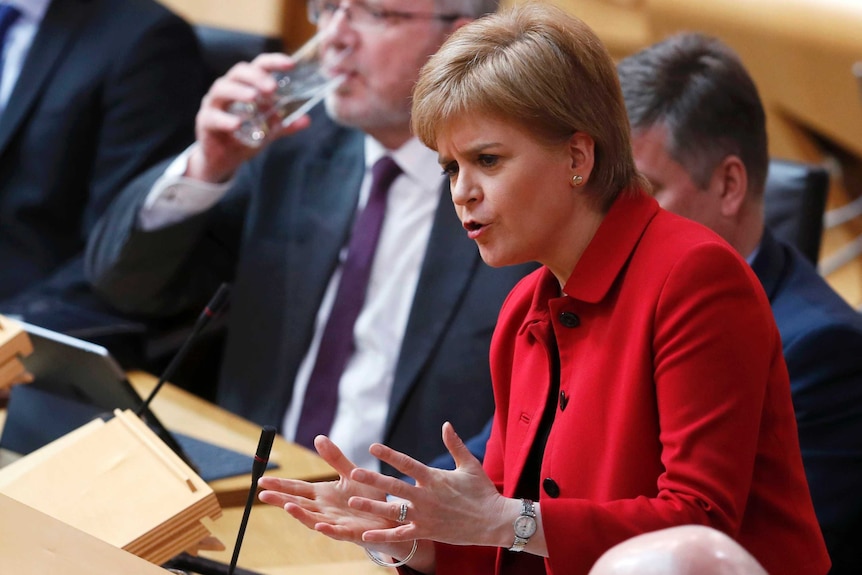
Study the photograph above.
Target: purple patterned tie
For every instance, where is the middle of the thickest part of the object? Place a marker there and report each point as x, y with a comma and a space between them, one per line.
336, 344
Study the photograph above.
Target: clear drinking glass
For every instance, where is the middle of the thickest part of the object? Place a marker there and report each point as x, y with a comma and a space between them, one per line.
298, 90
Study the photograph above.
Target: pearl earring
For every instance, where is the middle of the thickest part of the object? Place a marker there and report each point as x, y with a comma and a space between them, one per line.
577, 180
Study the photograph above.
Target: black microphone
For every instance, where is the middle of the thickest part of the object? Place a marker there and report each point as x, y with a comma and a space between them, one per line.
212, 309
261, 457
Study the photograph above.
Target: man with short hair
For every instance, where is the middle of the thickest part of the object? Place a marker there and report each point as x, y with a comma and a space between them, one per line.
277, 223
699, 135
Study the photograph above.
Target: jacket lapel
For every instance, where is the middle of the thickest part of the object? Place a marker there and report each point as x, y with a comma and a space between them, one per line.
58, 28
320, 227
446, 272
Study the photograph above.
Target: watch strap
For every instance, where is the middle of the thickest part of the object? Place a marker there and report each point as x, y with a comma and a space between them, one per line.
527, 510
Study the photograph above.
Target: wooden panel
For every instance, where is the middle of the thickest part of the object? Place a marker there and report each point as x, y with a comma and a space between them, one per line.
186, 413
264, 17
621, 24
32, 543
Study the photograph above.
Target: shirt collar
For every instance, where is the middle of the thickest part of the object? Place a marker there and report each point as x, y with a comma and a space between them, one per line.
31, 9
418, 162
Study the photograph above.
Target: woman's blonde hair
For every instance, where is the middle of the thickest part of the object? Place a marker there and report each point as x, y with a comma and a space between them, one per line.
536, 65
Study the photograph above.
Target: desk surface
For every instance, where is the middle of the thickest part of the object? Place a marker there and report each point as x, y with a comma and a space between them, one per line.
188, 414
277, 544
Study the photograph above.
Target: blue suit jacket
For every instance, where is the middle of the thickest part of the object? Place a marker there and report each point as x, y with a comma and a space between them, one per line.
277, 235
822, 340
109, 88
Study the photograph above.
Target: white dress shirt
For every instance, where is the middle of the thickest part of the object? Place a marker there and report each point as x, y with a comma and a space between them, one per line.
366, 384
18, 41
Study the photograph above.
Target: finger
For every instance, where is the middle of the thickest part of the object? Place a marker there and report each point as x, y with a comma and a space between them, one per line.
459, 451
395, 511
333, 455
251, 74
402, 462
278, 499
225, 91
382, 482
292, 486
339, 532
273, 61
273, 498
216, 120
407, 532
308, 518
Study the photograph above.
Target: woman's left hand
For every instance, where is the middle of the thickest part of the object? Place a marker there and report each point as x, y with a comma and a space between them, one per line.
461, 507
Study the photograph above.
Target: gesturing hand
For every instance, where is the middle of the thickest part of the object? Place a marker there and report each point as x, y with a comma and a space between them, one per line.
324, 506
461, 507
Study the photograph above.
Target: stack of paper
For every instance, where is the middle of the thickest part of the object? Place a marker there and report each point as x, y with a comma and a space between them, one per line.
14, 343
119, 482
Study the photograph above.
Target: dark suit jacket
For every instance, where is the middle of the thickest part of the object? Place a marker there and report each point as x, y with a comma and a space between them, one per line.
822, 340
277, 236
109, 87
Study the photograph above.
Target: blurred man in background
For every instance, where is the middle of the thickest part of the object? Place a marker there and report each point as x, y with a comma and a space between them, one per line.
699, 136
310, 348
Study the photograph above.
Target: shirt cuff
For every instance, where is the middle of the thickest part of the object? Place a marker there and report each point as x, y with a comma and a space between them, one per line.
174, 197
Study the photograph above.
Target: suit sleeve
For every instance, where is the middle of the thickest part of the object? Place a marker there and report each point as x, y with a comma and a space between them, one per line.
152, 94
172, 269
825, 368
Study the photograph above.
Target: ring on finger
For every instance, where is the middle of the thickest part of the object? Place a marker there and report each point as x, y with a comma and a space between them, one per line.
402, 515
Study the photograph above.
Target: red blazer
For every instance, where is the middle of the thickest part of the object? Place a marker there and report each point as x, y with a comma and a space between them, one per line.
674, 405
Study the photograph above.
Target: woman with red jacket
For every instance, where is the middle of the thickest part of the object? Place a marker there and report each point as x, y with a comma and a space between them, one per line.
638, 375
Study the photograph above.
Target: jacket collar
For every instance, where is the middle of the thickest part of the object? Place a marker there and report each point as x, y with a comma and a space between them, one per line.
605, 256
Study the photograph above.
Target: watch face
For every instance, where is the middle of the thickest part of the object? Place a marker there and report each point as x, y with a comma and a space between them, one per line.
525, 526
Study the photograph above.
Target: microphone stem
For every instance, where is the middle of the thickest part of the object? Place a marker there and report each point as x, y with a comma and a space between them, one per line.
261, 457
245, 514
213, 307
169, 371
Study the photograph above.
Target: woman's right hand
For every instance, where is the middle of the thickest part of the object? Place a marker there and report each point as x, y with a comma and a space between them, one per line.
218, 153
323, 506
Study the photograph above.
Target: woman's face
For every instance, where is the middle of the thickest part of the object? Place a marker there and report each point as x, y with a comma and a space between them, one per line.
513, 192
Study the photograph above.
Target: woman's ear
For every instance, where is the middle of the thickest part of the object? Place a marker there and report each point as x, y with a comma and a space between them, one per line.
582, 150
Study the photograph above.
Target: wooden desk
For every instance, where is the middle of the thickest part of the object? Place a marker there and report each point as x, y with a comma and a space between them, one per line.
274, 542
188, 414
32, 543
277, 544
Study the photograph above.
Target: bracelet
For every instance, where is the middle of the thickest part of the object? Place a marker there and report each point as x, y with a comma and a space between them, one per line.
383, 563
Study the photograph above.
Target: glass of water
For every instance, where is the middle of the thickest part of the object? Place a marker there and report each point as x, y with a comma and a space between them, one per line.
298, 90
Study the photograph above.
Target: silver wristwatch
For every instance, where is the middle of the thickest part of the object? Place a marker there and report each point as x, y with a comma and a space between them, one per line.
525, 526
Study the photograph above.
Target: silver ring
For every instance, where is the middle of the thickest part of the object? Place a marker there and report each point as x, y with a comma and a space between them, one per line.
402, 517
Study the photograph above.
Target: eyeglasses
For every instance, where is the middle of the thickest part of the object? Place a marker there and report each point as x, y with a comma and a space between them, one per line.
362, 15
